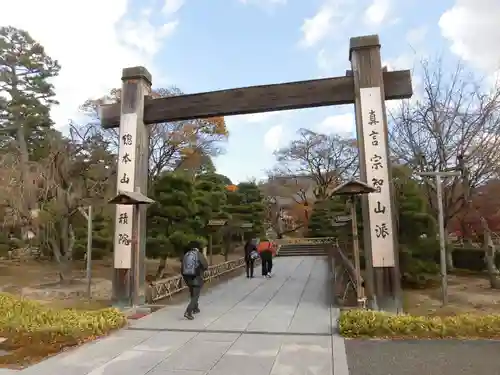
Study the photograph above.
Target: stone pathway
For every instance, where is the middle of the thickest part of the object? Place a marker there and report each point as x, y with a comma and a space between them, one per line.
247, 326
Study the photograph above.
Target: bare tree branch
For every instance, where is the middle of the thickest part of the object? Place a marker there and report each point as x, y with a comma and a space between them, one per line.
327, 160
455, 119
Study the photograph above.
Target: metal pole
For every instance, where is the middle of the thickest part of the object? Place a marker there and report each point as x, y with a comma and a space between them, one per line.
442, 241
355, 244
442, 234
89, 252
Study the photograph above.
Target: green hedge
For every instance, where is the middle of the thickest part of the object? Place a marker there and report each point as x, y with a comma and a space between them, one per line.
470, 259
463, 258
364, 323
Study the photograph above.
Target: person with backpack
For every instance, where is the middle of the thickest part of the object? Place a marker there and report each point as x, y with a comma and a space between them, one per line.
251, 254
193, 266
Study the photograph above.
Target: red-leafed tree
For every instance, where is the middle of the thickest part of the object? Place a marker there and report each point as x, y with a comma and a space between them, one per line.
484, 202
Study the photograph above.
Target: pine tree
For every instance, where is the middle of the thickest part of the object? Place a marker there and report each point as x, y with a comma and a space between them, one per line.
322, 217
26, 96
172, 220
246, 205
27, 93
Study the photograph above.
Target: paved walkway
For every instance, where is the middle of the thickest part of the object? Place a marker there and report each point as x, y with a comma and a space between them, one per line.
280, 326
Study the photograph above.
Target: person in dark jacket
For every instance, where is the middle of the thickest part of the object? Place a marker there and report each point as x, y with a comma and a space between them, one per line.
250, 249
194, 281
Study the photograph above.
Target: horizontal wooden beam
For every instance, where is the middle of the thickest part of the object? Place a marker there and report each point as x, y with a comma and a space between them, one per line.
256, 99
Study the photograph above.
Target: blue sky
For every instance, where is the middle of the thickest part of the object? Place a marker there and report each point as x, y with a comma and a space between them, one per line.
257, 43
201, 45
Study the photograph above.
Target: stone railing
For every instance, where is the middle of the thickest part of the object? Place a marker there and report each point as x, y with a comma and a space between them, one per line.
166, 288
304, 241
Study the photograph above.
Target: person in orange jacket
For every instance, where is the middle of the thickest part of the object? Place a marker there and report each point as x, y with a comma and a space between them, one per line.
266, 250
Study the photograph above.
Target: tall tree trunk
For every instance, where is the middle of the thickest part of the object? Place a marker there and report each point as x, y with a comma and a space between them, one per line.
28, 203
63, 269
489, 255
62, 248
450, 265
161, 268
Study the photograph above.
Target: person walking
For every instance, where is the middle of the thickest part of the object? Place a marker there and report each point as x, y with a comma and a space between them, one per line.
250, 255
193, 266
266, 254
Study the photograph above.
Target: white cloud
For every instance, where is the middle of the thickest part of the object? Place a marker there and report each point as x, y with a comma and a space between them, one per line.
333, 62
343, 125
472, 28
377, 12
316, 28
93, 41
401, 62
330, 18
261, 117
324, 60
273, 139
258, 119
416, 36
264, 3
171, 6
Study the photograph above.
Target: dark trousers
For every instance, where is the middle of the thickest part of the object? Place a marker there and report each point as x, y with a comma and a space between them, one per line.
194, 293
249, 265
267, 264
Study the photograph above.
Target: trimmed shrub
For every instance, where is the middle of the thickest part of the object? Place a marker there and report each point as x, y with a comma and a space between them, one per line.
471, 259
33, 331
364, 323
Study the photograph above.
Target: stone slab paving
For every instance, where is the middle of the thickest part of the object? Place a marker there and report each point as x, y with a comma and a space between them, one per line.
278, 326
281, 326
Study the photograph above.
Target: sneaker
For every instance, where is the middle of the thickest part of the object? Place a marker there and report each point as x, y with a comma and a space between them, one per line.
188, 316
196, 311
270, 274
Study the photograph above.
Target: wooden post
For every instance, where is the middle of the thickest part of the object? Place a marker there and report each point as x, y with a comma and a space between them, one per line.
133, 157
210, 249
89, 252
355, 248
380, 231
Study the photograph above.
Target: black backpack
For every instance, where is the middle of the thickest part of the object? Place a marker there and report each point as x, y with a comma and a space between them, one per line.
190, 263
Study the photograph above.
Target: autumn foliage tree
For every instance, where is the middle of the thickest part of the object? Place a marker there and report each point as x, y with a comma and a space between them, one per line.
485, 202
289, 200
172, 145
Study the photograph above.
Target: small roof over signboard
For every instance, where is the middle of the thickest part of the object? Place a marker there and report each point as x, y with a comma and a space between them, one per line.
130, 198
353, 187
